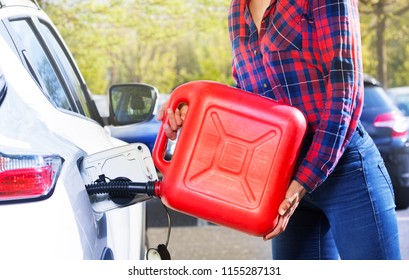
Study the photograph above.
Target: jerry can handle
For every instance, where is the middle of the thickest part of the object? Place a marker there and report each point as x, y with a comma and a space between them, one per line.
158, 152
161, 139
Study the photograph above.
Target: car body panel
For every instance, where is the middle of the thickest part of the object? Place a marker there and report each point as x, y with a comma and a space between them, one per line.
145, 132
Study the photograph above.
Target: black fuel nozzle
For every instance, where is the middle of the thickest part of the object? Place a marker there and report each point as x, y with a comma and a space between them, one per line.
121, 186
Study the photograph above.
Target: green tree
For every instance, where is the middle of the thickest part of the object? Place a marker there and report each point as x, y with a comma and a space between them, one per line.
385, 37
166, 43
173, 42
90, 30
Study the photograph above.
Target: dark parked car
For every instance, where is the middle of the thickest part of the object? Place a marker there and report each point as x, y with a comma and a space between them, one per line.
388, 128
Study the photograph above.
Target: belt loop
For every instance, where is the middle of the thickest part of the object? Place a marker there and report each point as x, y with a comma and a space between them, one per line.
360, 129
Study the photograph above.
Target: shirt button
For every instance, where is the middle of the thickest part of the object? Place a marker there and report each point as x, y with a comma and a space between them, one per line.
255, 52
265, 85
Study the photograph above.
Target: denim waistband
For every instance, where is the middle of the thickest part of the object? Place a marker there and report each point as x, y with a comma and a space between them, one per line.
360, 135
360, 129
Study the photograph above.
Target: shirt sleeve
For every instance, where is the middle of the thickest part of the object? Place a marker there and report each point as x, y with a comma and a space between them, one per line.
338, 28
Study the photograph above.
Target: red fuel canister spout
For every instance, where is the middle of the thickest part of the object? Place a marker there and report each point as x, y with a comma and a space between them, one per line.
157, 189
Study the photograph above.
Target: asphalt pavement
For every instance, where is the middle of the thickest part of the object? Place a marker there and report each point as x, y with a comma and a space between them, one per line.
193, 239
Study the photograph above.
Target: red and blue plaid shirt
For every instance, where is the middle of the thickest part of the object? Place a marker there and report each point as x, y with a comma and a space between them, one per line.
307, 54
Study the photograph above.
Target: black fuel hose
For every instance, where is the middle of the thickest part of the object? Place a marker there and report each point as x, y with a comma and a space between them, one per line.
122, 187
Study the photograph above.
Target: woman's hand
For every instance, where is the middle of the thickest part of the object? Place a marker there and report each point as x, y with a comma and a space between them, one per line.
175, 119
287, 207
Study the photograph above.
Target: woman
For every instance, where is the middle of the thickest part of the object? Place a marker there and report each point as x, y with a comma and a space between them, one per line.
306, 53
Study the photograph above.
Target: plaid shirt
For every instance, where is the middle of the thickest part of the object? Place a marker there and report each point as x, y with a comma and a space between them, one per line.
307, 54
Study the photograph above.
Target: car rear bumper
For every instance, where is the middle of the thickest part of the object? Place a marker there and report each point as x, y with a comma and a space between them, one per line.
396, 158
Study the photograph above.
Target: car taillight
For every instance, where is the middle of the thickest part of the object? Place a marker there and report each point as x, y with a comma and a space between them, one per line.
28, 177
393, 120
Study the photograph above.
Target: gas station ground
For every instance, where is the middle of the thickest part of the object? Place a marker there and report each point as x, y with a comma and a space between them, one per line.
193, 239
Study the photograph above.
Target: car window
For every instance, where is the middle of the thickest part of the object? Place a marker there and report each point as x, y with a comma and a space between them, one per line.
376, 97
39, 59
65, 66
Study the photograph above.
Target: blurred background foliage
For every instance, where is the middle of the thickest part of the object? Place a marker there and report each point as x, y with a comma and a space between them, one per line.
167, 43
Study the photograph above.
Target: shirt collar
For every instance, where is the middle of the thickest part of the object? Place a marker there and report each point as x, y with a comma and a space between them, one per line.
247, 14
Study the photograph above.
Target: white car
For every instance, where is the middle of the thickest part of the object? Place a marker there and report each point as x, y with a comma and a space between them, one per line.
53, 145
400, 96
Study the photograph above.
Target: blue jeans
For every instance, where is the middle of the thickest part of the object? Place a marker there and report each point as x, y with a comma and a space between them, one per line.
351, 216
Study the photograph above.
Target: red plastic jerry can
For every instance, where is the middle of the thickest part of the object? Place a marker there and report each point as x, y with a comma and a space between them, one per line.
234, 158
